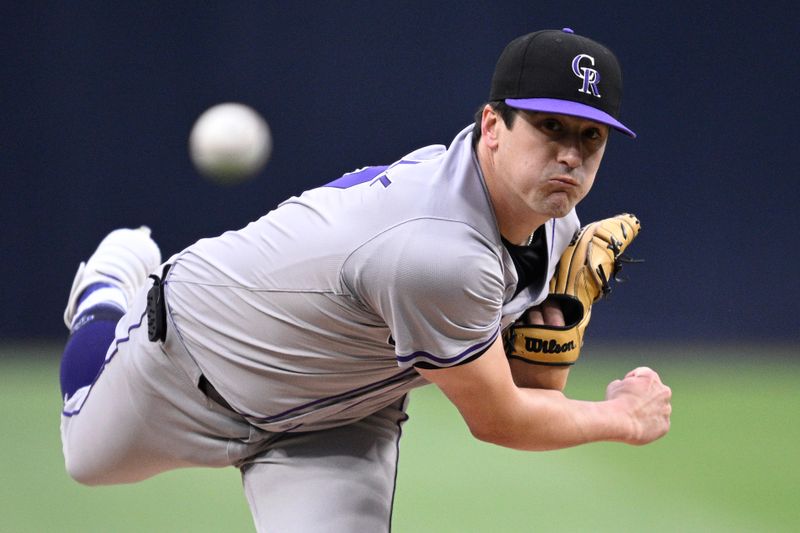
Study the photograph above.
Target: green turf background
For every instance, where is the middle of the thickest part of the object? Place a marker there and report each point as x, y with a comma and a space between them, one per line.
731, 462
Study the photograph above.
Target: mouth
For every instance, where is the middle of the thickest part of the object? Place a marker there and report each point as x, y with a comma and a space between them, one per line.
564, 180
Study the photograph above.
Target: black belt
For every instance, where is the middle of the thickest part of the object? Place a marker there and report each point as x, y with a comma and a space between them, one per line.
157, 329
209, 390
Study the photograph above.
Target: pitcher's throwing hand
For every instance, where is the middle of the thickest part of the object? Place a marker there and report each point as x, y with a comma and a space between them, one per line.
648, 402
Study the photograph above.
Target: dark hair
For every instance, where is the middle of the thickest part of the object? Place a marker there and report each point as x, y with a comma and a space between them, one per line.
506, 112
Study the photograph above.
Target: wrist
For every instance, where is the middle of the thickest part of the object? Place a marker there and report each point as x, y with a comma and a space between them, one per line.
616, 421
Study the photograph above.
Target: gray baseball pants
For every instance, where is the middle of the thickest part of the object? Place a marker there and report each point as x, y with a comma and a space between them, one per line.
145, 414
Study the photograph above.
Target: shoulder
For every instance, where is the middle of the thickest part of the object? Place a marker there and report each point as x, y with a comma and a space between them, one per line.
442, 243
428, 256
437, 284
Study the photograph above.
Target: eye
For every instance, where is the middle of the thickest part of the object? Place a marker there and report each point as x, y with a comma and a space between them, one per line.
592, 133
595, 134
551, 124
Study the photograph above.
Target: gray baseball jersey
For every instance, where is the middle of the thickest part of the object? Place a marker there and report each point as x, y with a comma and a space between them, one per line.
314, 315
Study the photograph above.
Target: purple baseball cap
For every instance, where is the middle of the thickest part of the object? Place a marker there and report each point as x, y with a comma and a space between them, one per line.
557, 71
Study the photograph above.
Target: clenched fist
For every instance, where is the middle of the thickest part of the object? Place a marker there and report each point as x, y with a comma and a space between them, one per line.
647, 402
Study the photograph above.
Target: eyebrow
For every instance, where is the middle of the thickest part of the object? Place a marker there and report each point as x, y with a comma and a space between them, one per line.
531, 115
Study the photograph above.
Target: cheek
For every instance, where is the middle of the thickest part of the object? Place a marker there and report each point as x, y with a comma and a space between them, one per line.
588, 183
591, 166
593, 160
534, 163
521, 166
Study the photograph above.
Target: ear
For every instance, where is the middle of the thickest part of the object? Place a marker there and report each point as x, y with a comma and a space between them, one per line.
490, 121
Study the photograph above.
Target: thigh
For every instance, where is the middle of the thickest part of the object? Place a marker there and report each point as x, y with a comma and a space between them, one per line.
144, 415
335, 480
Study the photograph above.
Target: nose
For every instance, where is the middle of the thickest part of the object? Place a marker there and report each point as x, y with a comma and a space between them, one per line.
569, 153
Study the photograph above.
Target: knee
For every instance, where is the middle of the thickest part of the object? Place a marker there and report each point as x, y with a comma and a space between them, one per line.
99, 465
81, 475
93, 465
91, 473
85, 471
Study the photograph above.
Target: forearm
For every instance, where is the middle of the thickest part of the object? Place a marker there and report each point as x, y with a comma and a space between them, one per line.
636, 410
548, 420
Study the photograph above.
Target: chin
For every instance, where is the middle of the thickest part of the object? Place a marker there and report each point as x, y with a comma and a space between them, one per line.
559, 209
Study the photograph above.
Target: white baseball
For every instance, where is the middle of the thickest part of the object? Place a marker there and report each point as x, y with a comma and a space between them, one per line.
230, 142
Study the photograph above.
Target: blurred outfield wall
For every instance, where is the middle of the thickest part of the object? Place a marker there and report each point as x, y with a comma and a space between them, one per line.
99, 98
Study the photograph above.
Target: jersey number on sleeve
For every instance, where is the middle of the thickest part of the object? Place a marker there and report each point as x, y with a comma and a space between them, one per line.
374, 174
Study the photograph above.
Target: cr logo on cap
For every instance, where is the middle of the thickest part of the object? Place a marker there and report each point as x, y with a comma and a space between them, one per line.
589, 75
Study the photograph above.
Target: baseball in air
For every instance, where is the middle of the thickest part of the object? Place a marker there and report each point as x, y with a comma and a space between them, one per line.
230, 143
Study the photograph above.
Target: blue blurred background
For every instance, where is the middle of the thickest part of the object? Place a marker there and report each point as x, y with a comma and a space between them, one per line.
99, 97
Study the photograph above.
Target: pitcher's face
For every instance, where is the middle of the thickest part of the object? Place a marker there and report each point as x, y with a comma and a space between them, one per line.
548, 161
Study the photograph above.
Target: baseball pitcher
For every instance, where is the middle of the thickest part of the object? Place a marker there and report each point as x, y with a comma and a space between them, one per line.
287, 348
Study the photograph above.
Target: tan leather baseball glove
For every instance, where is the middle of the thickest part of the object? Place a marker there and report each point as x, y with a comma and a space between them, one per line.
582, 277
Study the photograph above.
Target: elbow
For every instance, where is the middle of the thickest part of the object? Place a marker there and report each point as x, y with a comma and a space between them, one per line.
482, 433
493, 433
507, 435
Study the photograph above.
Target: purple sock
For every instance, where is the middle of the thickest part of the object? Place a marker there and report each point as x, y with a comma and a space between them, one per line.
88, 342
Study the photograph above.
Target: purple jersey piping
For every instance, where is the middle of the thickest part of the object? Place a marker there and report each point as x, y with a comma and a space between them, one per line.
324, 402
451, 360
